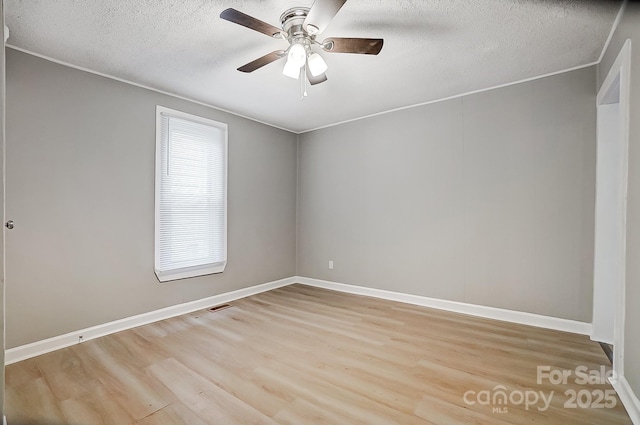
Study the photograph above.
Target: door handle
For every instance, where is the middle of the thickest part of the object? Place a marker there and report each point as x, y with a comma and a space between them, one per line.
9, 224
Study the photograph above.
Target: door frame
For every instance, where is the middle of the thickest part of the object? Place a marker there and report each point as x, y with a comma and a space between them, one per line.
618, 78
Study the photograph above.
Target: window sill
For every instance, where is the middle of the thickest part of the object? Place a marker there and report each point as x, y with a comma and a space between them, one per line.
187, 272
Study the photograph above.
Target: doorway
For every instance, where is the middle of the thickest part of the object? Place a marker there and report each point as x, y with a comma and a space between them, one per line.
611, 207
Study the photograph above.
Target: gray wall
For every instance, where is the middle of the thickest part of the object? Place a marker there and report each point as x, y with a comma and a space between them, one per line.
80, 187
485, 199
629, 28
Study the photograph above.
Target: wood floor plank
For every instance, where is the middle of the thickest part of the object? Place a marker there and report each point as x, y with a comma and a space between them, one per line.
32, 403
236, 382
205, 399
334, 398
23, 372
132, 388
303, 355
65, 375
174, 414
97, 408
303, 412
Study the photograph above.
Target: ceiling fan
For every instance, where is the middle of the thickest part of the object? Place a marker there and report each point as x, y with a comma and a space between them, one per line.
300, 27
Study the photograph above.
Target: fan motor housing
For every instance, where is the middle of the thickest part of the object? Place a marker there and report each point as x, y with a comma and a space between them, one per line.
292, 20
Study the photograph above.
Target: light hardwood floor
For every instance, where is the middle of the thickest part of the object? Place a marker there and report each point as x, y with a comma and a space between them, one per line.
301, 355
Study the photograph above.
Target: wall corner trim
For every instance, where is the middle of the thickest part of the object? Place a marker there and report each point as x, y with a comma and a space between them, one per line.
512, 316
37, 348
628, 397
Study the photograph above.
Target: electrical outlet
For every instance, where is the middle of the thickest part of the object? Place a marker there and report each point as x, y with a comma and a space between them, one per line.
330, 264
80, 338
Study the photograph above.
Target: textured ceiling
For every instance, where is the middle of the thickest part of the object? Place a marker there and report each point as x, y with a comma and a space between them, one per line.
433, 49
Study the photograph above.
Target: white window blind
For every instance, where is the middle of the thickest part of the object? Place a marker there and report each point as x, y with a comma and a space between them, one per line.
191, 195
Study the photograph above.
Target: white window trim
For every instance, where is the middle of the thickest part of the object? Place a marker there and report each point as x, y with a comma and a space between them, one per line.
169, 275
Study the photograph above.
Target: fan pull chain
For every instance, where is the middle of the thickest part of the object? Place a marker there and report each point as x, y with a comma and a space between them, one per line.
303, 82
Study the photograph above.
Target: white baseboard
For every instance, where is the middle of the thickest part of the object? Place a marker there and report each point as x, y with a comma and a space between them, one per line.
37, 348
601, 338
628, 398
519, 317
55, 343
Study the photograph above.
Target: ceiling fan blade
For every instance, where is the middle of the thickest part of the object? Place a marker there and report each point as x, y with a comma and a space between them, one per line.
245, 20
315, 80
321, 13
365, 46
262, 61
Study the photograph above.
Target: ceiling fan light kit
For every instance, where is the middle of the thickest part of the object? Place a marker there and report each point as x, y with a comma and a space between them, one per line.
317, 65
297, 54
300, 26
291, 70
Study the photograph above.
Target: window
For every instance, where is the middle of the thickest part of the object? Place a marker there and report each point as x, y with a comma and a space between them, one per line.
191, 195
